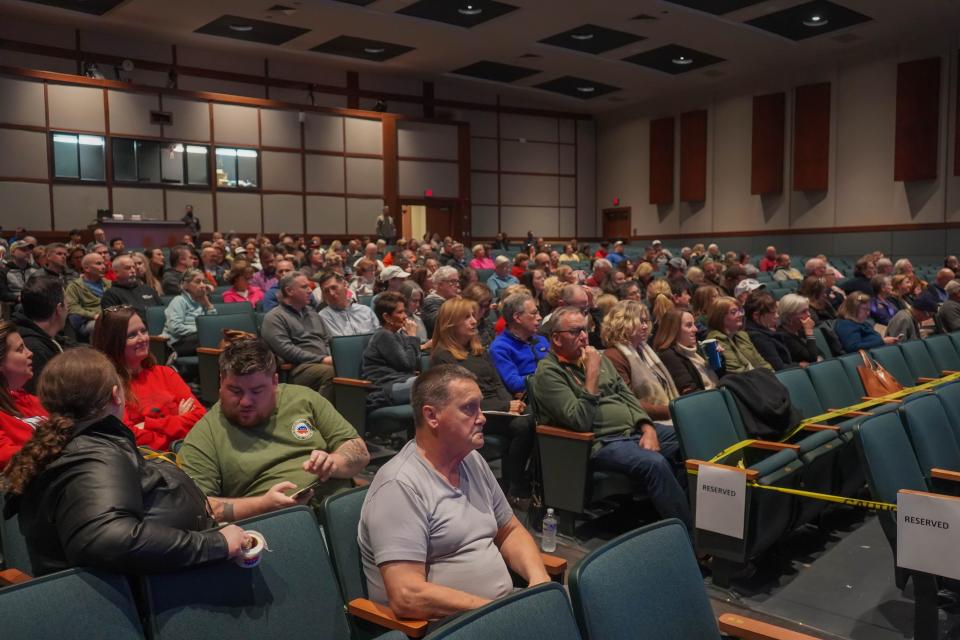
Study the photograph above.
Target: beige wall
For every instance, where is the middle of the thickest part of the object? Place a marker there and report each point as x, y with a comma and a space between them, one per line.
861, 187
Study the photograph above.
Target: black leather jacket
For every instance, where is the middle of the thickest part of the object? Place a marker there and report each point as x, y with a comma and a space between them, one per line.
100, 504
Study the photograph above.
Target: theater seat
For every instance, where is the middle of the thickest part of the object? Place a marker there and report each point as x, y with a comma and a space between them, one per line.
931, 435
919, 360
13, 544
943, 353
891, 358
209, 334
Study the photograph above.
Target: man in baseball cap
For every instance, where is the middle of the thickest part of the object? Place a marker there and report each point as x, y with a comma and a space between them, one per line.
393, 276
745, 287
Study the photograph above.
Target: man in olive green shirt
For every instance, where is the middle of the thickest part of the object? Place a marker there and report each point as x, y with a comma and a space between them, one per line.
264, 439
576, 388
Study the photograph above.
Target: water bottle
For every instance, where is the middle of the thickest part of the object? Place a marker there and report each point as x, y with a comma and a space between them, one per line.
548, 541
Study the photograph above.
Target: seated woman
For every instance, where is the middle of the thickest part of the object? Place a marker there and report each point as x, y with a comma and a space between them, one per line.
160, 407
85, 496
533, 280
455, 341
20, 412
725, 321
796, 329
852, 328
181, 314
392, 356
520, 262
480, 294
365, 279
676, 345
883, 305
815, 291
763, 317
625, 330
413, 294
240, 288
480, 258
902, 285
145, 273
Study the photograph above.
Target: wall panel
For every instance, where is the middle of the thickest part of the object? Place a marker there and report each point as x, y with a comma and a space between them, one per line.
326, 215
148, 202
323, 132
416, 177
693, 156
661, 161
529, 190
202, 203
79, 108
282, 213
21, 102
25, 201
24, 154
811, 137
425, 140
529, 128
918, 120
235, 125
76, 206
769, 125
483, 154
586, 180
280, 171
191, 119
325, 174
362, 215
483, 188
484, 221
544, 221
531, 156
280, 128
364, 136
365, 176
238, 212
130, 113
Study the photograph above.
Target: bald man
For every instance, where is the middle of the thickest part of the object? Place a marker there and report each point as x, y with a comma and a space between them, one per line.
84, 294
128, 290
938, 286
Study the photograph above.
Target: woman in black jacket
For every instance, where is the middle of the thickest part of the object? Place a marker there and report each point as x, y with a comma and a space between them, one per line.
85, 495
676, 344
762, 318
796, 329
392, 356
455, 341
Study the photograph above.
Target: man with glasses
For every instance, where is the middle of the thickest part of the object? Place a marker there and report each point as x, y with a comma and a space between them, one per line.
516, 351
446, 285
576, 388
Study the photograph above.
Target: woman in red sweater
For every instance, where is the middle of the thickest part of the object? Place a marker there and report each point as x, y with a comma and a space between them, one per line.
160, 408
20, 412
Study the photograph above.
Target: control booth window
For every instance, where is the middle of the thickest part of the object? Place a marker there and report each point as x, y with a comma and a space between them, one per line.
154, 162
78, 157
237, 168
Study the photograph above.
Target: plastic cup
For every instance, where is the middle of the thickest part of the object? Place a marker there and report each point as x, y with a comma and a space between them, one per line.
712, 353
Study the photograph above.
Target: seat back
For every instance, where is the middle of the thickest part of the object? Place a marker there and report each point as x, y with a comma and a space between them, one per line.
70, 604
955, 339
830, 381
802, 394
703, 424
155, 320
210, 328
943, 353
949, 395
537, 613
292, 593
341, 517
850, 363
230, 308
887, 456
647, 579
13, 544
822, 345
918, 359
347, 353
891, 358
929, 430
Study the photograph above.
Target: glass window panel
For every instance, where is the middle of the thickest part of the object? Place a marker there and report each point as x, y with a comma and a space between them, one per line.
197, 168
91, 158
148, 161
171, 163
226, 167
246, 168
124, 160
66, 161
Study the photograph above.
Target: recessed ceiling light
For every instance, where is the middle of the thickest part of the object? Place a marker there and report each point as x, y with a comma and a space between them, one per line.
586, 89
470, 10
373, 50
815, 20
682, 60
243, 28
582, 36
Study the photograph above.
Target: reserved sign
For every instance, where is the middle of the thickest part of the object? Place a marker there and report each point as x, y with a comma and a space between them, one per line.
721, 500
928, 533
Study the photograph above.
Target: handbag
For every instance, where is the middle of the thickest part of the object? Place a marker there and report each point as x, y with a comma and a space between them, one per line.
877, 381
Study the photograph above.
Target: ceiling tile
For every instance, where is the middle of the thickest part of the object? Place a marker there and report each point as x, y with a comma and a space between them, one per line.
236, 27
577, 87
496, 71
662, 59
95, 7
716, 7
589, 38
809, 19
362, 48
461, 13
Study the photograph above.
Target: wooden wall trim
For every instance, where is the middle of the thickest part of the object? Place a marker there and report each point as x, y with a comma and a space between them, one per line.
391, 167
693, 156
811, 137
661, 161
918, 120
932, 226
767, 145
463, 179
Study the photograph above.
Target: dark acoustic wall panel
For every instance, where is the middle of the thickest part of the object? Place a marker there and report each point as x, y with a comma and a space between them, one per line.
956, 132
693, 156
811, 137
661, 161
918, 120
769, 128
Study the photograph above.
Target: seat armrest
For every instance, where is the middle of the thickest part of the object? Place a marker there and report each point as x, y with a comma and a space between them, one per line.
694, 465
381, 615
209, 351
924, 380
739, 626
773, 446
558, 432
555, 565
880, 399
160, 339
13, 576
820, 427
852, 413
353, 382
945, 474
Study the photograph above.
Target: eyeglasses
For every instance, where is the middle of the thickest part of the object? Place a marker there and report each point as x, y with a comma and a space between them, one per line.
573, 332
118, 307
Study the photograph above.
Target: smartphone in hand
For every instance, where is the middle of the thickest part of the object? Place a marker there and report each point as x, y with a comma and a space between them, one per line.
300, 493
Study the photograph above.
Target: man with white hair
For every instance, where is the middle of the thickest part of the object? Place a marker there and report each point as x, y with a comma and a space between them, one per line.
601, 273
501, 278
884, 267
815, 267
903, 266
446, 285
948, 315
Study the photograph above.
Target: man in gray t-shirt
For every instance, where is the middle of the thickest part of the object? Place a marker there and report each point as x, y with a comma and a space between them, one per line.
436, 532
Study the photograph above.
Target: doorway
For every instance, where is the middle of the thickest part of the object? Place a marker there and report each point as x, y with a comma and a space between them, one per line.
616, 223
443, 218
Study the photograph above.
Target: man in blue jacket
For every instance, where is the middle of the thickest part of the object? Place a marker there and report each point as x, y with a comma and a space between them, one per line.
517, 350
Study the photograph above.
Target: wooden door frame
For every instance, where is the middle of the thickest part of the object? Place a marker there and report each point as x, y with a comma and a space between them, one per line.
458, 206
603, 220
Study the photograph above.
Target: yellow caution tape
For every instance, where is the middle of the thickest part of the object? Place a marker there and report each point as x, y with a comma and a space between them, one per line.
150, 454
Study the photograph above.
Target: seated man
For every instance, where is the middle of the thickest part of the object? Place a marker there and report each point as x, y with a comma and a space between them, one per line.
270, 296
40, 322
446, 285
576, 388
437, 534
264, 439
516, 352
948, 315
905, 324
341, 316
501, 278
127, 289
785, 271
83, 294
295, 332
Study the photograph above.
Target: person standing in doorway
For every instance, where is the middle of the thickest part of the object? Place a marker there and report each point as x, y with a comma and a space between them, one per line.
386, 227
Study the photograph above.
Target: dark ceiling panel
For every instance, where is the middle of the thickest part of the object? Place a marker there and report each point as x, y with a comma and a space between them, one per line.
461, 13
577, 87
95, 7
716, 7
674, 59
809, 19
496, 71
589, 38
362, 48
251, 30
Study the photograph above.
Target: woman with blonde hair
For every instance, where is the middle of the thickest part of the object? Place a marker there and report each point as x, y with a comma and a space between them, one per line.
676, 344
725, 321
145, 273
87, 498
624, 331
659, 298
455, 341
